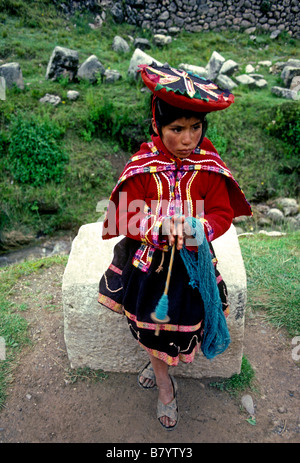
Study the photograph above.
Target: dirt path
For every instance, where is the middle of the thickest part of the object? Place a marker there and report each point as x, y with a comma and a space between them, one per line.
45, 406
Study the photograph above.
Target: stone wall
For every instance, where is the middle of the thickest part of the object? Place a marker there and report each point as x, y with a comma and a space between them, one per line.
171, 16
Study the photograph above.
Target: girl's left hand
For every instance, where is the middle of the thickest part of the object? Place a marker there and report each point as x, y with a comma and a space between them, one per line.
177, 230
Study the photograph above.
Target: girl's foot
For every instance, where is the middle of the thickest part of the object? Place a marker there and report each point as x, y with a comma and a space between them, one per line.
146, 378
167, 407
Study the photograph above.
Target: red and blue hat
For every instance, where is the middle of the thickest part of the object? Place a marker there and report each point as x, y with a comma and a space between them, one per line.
184, 89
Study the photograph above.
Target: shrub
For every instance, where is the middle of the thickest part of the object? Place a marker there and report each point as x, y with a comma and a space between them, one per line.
286, 125
34, 155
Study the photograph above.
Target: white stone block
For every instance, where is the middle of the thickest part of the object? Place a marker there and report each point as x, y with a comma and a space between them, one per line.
100, 339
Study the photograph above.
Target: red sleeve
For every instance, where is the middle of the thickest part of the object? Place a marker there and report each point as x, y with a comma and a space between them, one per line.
218, 213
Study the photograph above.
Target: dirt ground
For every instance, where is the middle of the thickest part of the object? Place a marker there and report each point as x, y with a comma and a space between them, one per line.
45, 406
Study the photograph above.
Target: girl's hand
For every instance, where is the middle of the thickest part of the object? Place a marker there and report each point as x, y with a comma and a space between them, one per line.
177, 230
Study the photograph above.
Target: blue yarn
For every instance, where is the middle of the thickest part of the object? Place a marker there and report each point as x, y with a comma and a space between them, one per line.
161, 309
216, 337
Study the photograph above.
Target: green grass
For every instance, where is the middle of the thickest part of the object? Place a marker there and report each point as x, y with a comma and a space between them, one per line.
273, 268
13, 326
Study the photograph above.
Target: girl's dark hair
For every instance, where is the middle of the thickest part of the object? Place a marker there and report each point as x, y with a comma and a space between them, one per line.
165, 114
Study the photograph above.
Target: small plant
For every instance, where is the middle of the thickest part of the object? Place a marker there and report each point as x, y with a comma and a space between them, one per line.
34, 155
84, 374
237, 382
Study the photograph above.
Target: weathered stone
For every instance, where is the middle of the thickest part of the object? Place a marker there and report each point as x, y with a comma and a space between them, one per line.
100, 339
261, 83
120, 45
117, 12
249, 69
214, 65
229, 67
139, 57
142, 44
199, 70
244, 79
275, 34
91, 69
73, 95
12, 74
266, 63
275, 215
111, 75
63, 62
285, 93
51, 99
288, 73
295, 84
225, 82
288, 205
161, 39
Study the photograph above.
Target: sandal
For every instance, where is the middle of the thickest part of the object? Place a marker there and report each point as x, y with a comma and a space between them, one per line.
148, 373
170, 410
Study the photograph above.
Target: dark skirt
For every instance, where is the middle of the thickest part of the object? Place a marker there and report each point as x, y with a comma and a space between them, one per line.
126, 289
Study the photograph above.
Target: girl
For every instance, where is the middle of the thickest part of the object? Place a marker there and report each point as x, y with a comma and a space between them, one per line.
175, 188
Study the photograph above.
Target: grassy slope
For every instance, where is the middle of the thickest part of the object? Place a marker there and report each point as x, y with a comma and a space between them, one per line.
95, 159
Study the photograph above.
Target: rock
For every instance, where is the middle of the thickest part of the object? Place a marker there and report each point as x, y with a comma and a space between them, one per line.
120, 45
249, 69
161, 40
139, 57
14, 239
282, 409
142, 44
117, 12
247, 403
263, 222
288, 73
51, 99
295, 84
289, 206
198, 70
97, 24
91, 69
73, 95
261, 83
265, 63
293, 223
225, 82
275, 215
12, 74
229, 67
88, 325
275, 34
111, 75
63, 62
214, 65
271, 233
244, 79
285, 93
2, 88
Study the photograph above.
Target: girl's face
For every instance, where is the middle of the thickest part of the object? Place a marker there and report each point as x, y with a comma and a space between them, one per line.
181, 136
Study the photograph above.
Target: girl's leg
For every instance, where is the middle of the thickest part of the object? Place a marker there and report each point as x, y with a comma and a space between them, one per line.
165, 387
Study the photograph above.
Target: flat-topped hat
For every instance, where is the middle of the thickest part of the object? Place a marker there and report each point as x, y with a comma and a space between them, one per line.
184, 89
